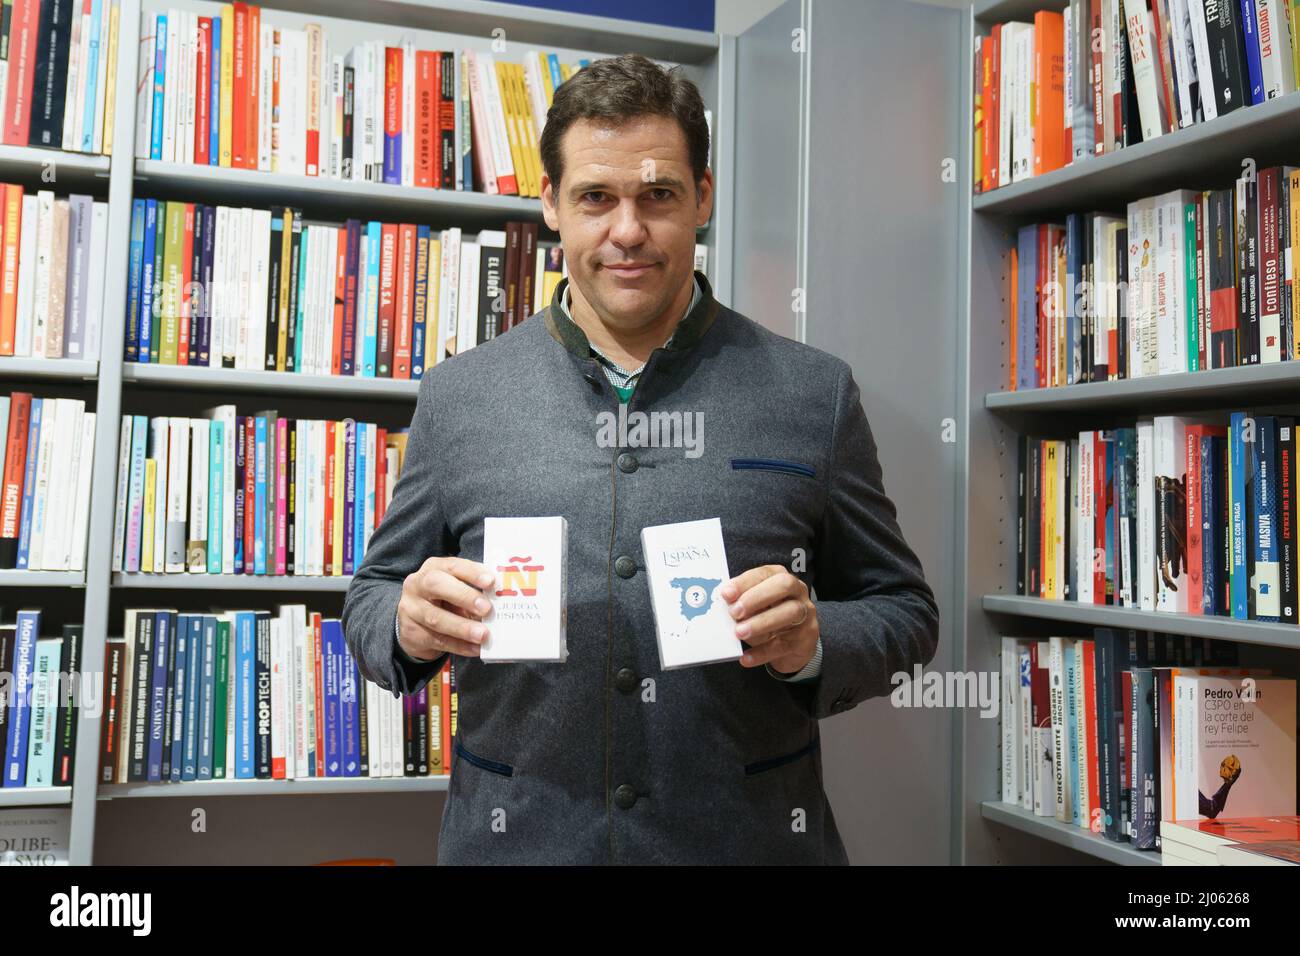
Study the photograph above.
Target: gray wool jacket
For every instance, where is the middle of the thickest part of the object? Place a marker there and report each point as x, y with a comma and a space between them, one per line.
607, 758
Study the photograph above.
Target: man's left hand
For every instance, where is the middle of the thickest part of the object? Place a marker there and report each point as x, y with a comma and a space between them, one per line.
774, 616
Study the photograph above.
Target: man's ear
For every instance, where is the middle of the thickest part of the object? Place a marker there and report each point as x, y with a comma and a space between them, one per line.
704, 198
549, 212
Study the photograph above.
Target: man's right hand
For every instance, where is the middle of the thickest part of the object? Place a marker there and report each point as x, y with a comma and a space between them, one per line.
441, 608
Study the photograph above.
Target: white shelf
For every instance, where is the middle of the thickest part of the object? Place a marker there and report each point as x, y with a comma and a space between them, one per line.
1076, 838
72, 172
34, 796
265, 788
13, 366
202, 378
233, 582
14, 578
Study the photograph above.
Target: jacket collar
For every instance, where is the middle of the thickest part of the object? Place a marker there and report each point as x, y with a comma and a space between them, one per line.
689, 330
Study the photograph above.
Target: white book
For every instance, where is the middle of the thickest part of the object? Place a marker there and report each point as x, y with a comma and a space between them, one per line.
1149, 344
259, 231
74, 89
95, 288
197, 542
1085, 542
377, 93
535, 87
59, 490
235, 322
397, 762
448, 292
336, 113
1006, 94
160, 441
178, 459
101, 81
1063, 802
296, 762
326, 108
81, 507
1169, 460
1009, 722
50, 414
265, 81
244, 263
467, 298
316, 478
1146, 515
1180, 40
391, 464
496, 116
1068, 44
120, 504
372, 435
293, 102
26, 277
1084, 760
217, 291
1201, 51
171, 85
1275, 53
311, 82
1022, 136
189, 77
1142, 57
1170, 281
408, 112
372, 692
44, 259
528, 597
309, 687
328, 274
144, 87
278, 683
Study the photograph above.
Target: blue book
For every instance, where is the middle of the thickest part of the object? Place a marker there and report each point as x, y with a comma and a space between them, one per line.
553, 62
90, 73
1265, 579
259, 498
1240, 460
44, 708
331, 668
1250, 37
216, 499
422, 236
214, 96
1211, 556
237, 498
299, 317
193, 681
392, 156
159, 87
158, 695
349, 706
1072, 685
147, 281
359, 512
139, 444
245, 665
1075, 360
1026, 308
132, 351
368, 330
28, 626
29, 477
180, 675
208, 698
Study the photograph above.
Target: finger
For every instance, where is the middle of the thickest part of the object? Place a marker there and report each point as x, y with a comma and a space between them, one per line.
743, 582
765, 594
765, 653
471, 572
763, 627
429, 645
441, 622
439, 585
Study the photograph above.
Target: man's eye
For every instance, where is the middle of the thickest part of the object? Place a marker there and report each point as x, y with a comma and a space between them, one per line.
663, 193
598, 196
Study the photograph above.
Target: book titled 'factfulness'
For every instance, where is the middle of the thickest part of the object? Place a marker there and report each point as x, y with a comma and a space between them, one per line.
687, 567
527, 557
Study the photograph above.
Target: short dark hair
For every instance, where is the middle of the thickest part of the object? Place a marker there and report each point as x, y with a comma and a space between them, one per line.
616, 89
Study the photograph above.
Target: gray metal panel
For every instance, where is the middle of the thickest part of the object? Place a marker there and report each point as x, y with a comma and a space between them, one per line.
766, 221
883, 263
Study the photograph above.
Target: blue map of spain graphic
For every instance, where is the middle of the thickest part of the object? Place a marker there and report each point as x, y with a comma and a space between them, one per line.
696, 595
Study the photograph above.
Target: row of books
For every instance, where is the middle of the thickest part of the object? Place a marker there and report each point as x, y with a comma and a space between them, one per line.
1177, 514
1232, 841
58, 73
1117, 733
1185, 281
52, 254
251, 494
235, 89
39, 710
49, 454
237, 287
1106, 74
257, 695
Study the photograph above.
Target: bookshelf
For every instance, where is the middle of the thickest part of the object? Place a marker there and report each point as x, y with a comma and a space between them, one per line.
1200, 156
114, 386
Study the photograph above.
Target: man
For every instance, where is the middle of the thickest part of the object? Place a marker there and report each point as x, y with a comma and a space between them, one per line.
607, 758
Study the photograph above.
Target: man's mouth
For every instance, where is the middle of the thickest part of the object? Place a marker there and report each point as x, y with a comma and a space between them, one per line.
631, 270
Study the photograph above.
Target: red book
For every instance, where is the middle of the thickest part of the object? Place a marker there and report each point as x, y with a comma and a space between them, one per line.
320, 689
330, 464
1100, 450
993, 110
23, 24
1049, 96
1095, 820
350, 298
392, 114
252, 66
445, 681
405, 301
250, 489
387, 293
15, 466
426, 116
239, 89
1164, 75
203, 89
381, 474
340, 300
187, 274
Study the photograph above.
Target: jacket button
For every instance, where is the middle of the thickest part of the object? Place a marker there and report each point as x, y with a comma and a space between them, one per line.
625, 680
625, 796
627, 462
624, 566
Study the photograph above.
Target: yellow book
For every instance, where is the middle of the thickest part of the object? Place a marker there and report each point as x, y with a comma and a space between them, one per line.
397, 441
433, 334
286, 255
512, 127
1049, 520
227, 81
527, 129
340, 468
147, 516
1294, 181
548, 86
173, 251
566, 71
110, 87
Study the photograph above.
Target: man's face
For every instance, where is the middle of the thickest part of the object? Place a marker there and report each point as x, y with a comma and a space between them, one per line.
626, 212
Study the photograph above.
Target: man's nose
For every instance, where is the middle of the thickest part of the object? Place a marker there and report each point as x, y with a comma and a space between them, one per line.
627, 229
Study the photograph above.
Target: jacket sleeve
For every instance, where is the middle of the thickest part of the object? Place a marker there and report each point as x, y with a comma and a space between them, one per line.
876, 614
413, 529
